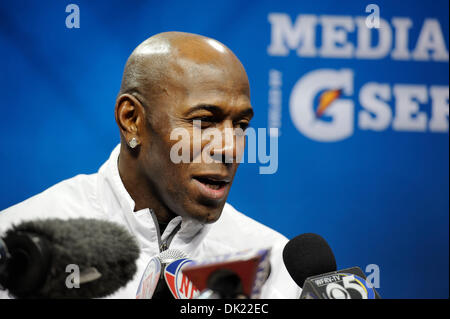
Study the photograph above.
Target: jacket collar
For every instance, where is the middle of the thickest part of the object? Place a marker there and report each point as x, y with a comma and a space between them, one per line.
113, 190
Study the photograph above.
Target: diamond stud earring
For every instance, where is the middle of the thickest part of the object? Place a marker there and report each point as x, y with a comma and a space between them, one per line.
133, 142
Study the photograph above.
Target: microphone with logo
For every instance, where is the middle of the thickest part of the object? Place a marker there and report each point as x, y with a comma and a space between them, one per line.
35, 255
311, 263
164, 278
234, 276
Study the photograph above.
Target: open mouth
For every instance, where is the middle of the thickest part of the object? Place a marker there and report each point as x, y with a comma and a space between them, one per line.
211, 183
213, 187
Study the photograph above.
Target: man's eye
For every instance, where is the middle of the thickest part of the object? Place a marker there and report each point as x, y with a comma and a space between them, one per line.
244, 125
203, 121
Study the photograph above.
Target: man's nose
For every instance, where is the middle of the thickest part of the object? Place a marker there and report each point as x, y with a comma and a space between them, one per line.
226, 151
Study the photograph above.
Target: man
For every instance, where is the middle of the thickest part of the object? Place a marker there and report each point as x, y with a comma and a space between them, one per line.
171, 81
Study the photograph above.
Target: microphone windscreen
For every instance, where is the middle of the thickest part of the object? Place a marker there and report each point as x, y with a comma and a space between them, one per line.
170, 255
87, 244
308, 255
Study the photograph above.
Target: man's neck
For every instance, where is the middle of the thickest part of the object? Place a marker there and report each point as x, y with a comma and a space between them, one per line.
140, 190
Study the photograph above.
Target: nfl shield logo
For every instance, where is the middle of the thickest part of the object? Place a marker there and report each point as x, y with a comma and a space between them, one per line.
179, 284
149, 279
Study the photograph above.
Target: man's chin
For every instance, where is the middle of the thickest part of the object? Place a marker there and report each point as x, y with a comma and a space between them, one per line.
207, 214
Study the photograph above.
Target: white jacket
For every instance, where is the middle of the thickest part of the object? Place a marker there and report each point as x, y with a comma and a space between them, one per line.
103, 196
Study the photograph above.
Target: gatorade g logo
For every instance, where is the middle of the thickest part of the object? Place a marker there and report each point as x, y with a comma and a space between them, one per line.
179, 284
326, 99
317, 107
349, 286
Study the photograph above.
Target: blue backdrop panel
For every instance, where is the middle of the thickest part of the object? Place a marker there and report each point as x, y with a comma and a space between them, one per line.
378, 192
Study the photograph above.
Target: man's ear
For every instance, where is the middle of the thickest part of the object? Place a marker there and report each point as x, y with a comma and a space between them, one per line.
129, 113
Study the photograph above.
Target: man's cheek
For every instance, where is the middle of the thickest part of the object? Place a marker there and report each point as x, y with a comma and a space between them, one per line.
182, 147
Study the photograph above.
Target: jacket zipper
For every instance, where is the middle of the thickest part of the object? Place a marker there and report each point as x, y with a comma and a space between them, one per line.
163, 245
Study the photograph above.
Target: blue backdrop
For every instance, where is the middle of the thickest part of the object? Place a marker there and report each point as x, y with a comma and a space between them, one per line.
378, 192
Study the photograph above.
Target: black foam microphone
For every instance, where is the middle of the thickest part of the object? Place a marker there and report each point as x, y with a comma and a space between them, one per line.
36, 256
307, 255
311, 263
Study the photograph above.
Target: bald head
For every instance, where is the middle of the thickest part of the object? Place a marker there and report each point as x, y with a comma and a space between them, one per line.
176, 82
174, 58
